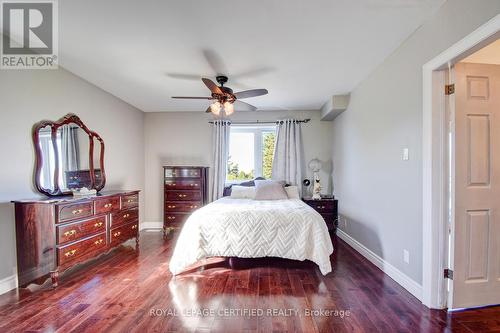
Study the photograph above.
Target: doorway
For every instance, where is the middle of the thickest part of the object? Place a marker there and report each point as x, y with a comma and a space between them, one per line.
449, 215
474, 249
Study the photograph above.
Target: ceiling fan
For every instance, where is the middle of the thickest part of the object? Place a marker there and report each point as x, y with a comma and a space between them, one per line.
225, 100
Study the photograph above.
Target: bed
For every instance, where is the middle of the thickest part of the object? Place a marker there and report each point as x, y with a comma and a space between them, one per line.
247, 228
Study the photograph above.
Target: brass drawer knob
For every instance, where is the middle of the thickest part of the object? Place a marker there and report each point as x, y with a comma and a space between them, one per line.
126, 215
182, 195
99, 241
193, 206
170, 206
108, 205
130, 200
171, 217
70, 233
70, 253
77, 211
134, 226
98, 224
116, 234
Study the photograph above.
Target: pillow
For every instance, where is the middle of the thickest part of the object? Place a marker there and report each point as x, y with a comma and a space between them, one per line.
242, 192
292, 192
269, 190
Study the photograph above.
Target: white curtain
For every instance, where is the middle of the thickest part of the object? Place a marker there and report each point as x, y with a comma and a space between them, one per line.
287, 162
69, 152
221, 154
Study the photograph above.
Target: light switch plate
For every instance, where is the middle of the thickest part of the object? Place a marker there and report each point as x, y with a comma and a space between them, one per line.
406, 154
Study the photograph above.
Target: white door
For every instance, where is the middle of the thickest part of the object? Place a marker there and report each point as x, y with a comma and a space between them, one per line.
476, 232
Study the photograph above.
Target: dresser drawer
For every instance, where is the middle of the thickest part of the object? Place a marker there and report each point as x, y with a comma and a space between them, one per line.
183, 195
182, 184
330, 220
174, 219
130, 201
67, 212
122, 233
81, 249
77, 230
124, 216
182, 206
322, 206
182, 173
106, 205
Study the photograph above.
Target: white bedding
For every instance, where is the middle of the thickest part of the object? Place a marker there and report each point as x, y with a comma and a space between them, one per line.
249, 228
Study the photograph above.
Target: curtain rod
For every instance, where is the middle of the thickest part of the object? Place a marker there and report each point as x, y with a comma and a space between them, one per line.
257, 122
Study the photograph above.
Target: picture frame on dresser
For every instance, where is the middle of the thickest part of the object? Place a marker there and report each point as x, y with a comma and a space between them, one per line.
185, 190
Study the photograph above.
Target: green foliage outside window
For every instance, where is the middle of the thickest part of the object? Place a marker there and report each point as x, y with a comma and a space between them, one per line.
268, 154
234, 172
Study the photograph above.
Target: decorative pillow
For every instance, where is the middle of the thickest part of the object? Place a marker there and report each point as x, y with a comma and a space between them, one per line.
242, 192
269, 190
292, 192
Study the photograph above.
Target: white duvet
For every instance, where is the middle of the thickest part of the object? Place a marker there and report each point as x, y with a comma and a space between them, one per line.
248, 228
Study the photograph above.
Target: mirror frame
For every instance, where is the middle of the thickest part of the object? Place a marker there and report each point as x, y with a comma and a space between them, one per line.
70, 118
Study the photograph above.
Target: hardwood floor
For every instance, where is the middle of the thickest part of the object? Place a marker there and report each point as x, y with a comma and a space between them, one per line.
134, 292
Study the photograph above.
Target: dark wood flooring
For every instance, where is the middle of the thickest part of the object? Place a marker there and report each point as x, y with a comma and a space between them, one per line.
127, 291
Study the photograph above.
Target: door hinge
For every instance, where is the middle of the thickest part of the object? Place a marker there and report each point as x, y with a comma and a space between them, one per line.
448, 274
449, 89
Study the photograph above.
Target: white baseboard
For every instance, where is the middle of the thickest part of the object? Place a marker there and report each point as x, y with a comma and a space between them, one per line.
151, 225
402, 279
8, 283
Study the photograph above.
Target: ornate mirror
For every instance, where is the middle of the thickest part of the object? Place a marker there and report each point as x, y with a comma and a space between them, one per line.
68, 156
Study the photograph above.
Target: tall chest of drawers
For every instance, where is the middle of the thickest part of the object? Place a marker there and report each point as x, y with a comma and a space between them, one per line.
185, 190
55, 234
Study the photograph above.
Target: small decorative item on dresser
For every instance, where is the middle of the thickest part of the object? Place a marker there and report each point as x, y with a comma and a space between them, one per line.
328, 208
185, 190
315, 166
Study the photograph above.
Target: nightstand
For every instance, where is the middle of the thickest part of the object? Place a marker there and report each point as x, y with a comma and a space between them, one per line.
328, 208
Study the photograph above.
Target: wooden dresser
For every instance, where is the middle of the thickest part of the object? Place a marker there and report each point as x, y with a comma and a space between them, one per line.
328, 208
54, 234
185, 190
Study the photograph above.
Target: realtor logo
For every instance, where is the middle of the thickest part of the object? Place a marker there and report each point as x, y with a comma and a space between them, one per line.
29, 35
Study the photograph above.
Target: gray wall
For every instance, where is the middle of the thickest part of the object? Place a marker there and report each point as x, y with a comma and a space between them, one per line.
185, 138
380, 194
27, 97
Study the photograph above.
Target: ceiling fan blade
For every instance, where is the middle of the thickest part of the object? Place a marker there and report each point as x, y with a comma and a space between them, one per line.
242, 106
191, 77
253, 72
250, 93
190, 97
212, 86
215, 61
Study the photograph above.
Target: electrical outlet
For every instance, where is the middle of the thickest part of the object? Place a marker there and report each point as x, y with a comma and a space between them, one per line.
342, 221
406, 256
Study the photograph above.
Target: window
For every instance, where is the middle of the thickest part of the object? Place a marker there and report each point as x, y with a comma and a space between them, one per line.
251, 151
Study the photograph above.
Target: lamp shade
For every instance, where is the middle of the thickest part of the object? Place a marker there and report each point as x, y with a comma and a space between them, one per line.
315, 165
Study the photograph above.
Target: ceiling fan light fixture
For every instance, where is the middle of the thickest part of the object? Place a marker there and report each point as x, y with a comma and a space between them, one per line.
215, 108
228, 108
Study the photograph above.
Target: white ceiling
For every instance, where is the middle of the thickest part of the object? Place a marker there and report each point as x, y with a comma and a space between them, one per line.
489, 54
301, 51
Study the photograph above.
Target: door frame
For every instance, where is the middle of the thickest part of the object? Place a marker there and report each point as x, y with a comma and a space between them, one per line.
434, 192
